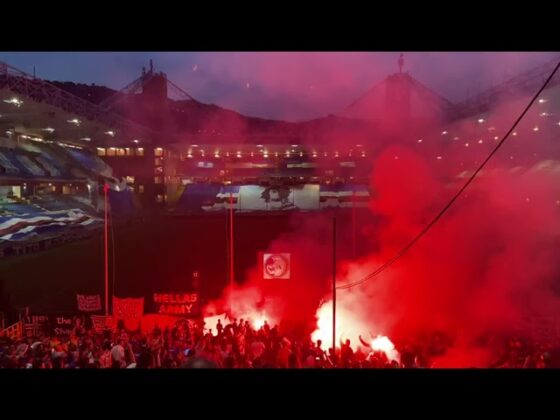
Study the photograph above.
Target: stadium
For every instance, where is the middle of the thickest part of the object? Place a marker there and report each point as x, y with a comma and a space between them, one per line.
148, 193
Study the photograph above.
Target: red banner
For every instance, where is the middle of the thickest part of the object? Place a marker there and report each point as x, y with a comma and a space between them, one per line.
89, 303
130, 310
101, 322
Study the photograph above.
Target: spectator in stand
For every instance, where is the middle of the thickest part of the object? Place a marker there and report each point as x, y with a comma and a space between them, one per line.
118, 358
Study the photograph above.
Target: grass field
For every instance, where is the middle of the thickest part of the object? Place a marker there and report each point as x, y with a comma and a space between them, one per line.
155, 256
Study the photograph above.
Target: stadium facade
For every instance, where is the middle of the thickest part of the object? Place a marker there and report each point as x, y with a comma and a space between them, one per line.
161, 150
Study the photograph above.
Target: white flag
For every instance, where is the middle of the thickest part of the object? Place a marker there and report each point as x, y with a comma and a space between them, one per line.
276, 266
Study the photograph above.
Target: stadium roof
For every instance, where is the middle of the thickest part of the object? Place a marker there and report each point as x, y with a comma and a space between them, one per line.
41, 110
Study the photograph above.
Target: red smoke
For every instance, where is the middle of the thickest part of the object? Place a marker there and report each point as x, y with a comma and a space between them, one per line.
488, 266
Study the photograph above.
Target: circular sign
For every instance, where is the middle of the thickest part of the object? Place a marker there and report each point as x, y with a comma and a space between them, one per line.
276, 266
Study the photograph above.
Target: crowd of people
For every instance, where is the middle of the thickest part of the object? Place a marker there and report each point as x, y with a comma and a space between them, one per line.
234, 345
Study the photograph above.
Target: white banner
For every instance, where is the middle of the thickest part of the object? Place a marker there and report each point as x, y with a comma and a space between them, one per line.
276, 266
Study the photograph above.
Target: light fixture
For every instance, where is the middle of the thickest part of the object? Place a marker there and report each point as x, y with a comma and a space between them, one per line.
480, 120
110, 133
49, 129
74, 121
14, 101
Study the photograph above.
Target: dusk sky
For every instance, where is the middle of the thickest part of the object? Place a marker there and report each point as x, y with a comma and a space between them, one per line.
283, 85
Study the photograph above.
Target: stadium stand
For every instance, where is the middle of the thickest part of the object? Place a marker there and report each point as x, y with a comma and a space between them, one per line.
90, 162
7, 166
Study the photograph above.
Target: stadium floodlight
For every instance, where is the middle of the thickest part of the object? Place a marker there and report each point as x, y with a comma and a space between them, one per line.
85, 139
110, 133
14, 101
74, 121
48, 129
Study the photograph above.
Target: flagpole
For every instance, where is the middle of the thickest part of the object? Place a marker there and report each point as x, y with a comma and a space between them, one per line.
334, 288
353, 224
231, 266
105, 191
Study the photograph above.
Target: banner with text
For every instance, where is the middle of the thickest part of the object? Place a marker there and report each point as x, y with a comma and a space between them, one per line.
129, 310
89, 303
182, 304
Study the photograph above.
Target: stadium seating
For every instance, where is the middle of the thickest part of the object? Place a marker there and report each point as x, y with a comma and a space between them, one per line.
90, 162
49, 165
30, 166
7, 165
17, 208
